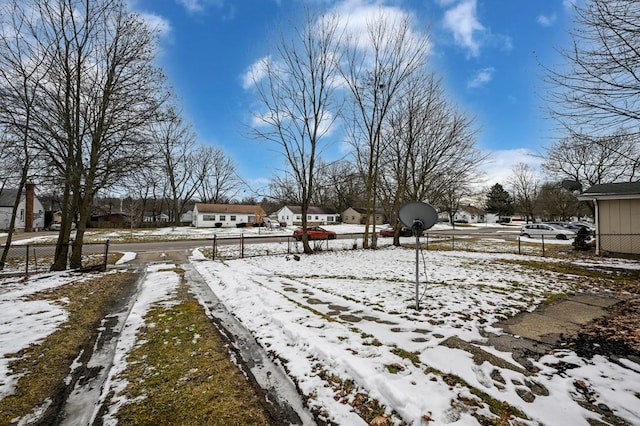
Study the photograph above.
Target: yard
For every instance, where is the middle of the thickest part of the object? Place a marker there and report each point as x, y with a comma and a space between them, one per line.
343, 325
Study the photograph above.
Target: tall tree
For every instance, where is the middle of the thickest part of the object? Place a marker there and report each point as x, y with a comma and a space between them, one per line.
218, 172
499, 201
429, 148
298, 107
176, 145
100, 89
525, 186
377, 66
21, 77
597, 90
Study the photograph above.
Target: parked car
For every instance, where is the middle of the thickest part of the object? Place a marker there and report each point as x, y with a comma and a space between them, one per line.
315, 233
590, 226
548, 230
566, 225
55, 226
390, 231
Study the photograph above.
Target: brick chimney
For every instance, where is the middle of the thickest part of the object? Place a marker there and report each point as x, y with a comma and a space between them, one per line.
28, 209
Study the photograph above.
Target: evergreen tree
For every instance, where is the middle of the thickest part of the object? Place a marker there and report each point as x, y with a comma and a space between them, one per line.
499, 201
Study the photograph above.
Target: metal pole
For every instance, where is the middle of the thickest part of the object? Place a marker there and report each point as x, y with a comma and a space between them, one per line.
27, 262
213, 248
542, 245
106, 255
417, 272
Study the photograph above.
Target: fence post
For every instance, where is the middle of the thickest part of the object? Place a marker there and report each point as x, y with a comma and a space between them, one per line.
106, 255
519, 249
27, 261
213, 248
543, 245
241, 246
453, 241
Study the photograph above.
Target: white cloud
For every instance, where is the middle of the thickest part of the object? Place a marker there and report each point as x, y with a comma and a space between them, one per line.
462, 21
481, 78
192, 6
197, 6
547, 20
157, 22
255, 73
498, 168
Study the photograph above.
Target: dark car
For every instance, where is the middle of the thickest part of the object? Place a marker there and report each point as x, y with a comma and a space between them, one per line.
390, 231
315, 233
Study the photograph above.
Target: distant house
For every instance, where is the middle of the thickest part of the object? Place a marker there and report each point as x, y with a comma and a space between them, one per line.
617, 216
187, 218
30, 213
292, 215
149, 217
358, 215
470, 214
225, 215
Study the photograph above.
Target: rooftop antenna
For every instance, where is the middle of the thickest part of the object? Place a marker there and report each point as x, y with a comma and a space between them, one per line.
419, 217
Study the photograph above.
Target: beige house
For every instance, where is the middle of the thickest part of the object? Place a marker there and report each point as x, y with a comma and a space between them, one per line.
226, 215
358, 216
617, 216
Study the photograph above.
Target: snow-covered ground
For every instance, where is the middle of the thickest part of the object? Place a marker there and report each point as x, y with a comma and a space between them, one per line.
351, 315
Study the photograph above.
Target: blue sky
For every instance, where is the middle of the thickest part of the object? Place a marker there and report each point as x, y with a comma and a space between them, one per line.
487, 52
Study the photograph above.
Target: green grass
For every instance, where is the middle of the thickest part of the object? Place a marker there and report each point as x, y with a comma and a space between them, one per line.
183, 373
44, 366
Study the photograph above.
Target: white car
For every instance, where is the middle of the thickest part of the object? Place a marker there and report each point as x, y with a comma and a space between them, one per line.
534, 230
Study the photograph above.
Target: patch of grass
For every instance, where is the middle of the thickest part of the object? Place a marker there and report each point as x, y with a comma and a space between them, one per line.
414, 357
347, 393
44, 366
183, 374
503, 411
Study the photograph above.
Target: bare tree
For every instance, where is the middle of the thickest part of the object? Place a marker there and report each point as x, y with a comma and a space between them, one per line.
429, 148
100, 88
594, 160
377, 65
175, 144
524, 186
298, 109
597, 91
20, 83
218, 172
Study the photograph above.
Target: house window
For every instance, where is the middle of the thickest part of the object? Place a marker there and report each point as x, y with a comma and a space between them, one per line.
21, 215
297, 217
232, 218
222, 217
317, 218
329, 218
208, 217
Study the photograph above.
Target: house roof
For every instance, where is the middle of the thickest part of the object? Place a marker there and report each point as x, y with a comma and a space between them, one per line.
363, 210
227, 208
473, 210
8, 197
312, 210
612, 191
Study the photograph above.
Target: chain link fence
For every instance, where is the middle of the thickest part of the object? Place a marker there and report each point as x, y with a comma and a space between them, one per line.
33, 258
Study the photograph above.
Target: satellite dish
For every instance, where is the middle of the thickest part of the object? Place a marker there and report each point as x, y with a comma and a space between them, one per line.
418, 214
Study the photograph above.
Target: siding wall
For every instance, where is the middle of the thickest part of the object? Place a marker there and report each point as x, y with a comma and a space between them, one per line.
619, 225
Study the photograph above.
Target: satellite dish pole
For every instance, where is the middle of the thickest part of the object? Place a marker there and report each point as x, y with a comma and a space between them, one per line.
419, 217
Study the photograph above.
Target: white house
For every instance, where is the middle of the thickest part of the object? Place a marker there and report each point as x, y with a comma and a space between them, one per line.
225, 215
292, 215
30, 213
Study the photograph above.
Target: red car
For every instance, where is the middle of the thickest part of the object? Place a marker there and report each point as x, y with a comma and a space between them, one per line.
315, 233
388, 232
